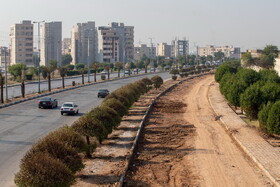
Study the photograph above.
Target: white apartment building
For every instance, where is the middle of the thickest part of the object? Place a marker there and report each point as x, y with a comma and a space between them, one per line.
84, 43
229, 51
4, 56
21, 36
163, 49
179, 47
123, 48
66, 46
143, 50
50, 42
109, 43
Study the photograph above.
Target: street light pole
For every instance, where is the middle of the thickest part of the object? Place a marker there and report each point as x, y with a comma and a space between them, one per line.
38, 22
88, 60
6, 76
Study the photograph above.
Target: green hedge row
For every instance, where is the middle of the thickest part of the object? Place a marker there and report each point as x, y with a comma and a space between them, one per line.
257, 93
55, 159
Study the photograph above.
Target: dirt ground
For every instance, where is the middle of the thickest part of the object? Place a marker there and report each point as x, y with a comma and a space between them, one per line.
184, 144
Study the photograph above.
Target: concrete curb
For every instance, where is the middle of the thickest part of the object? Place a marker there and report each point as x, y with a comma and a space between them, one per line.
71, 88
251, 156
133, 148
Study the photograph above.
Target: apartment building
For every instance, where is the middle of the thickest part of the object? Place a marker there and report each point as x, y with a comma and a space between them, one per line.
143, 50
229, 51
66, 46
123, 47
21, 36
163, 49
109, 45
179, 47
84, 43
4, 56
50, 42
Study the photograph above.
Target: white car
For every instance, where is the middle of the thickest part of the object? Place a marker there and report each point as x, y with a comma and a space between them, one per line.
69, 108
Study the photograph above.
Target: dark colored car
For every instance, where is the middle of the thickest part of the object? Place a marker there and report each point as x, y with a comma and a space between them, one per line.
47, 102
102, 93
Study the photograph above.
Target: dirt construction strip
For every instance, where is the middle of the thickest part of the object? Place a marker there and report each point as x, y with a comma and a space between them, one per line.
184, 144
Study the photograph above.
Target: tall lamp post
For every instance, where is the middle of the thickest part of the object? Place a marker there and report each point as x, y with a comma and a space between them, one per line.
88, 32
38, 22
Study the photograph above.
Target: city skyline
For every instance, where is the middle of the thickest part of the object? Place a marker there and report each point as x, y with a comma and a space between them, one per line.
246, 24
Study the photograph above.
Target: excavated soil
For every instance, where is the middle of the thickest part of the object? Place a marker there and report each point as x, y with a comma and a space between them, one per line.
184, 144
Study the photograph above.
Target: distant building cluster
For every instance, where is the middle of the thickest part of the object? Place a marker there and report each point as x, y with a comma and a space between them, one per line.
229, 51
89, 43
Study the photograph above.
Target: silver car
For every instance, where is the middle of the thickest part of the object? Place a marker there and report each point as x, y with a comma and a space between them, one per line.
69, 108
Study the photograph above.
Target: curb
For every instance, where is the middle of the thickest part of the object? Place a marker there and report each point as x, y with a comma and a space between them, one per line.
132, 149
249, 154
71, 88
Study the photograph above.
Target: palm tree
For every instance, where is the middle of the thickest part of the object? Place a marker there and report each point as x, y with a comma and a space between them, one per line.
81, 69
146, 63
48, 70
95, 66
119, 65
107, 68
63, 71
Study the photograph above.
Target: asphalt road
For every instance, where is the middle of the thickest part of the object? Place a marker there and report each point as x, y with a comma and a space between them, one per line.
21, 125
32, 87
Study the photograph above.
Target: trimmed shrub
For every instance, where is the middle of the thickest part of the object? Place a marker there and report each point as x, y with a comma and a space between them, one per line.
174, 77
263, 115
115, 116
119, 97
273, 121
40, 169
72, 72
104, 117
69, 137
116, 105
90, 127
103, 77
60, 151
157, 81
29, 76
148, 83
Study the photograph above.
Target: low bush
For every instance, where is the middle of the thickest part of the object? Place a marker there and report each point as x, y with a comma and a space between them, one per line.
41, 169
119, 97
103, 77
174, 77
116, 105
72, 72
60, 151
157, 81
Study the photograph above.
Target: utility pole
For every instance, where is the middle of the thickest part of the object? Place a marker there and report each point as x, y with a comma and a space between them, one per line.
38, 22
88, 60
152, 54
6, 76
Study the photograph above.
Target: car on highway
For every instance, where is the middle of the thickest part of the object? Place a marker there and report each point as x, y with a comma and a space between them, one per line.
47, 102
69, 108
103, 93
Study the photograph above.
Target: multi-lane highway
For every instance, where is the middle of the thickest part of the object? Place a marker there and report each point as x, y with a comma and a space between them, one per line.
21, 125
32, 87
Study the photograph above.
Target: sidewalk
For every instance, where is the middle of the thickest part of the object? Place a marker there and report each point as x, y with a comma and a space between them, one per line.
258, 149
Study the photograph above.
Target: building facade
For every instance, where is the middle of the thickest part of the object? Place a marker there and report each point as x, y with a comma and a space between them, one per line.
229, 51
21, 36
163, 49
115, 43
179, 48
66, 46
143, 50
84, 43
50, 43
109, 45
4, 57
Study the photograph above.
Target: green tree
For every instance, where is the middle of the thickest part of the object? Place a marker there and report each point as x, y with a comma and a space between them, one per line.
16, 70
63, 71
247, 59
66, 59
223, 69
273, 121
263, 115
271, 50
251, 100
270, 92
267, 61
235, 89
269, 75
70, 67
218, 55
248, 76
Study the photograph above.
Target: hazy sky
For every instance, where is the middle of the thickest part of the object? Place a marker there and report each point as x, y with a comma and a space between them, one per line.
243, 23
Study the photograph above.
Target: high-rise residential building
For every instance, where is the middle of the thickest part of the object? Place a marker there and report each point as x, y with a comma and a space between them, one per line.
143, 50
123, 48
163, 49
22, 43
4, 56
84, 43
108, 45
66, 46
229, 51
179, 47
50, 42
